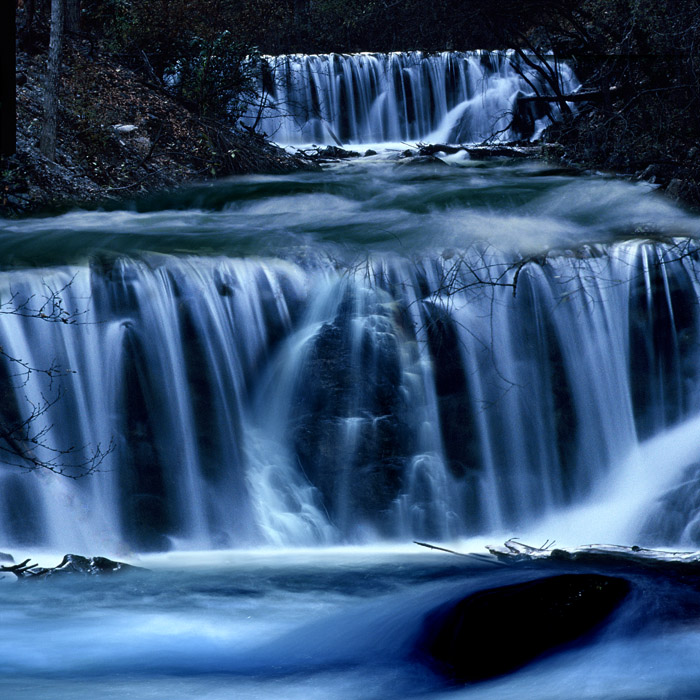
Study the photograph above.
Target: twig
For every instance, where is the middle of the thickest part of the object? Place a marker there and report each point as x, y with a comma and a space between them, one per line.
441, 549
471, 555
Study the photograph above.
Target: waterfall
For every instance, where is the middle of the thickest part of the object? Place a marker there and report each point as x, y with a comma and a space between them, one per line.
449, 97
304, 401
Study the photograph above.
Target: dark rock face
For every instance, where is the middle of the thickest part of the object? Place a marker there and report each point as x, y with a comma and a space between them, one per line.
144, 483
351, 430
662, 343
496, 631
675, 516
457, 423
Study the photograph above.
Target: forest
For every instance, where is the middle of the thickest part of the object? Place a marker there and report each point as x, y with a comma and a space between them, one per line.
638, 59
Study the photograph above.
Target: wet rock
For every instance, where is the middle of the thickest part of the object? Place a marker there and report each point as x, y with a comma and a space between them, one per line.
496, 631
421, 160
370, 152
7, 558
336, 152
351, 431
90, 566
71, 564
675, 188
675, 516
124, 128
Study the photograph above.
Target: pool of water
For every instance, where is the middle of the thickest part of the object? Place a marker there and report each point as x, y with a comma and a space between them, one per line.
312, 624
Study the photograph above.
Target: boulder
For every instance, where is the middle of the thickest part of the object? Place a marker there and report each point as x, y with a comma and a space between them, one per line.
337, 152
421, 160
496, 631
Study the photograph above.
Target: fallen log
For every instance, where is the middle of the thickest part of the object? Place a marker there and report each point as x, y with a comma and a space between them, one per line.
478, 152
609, 555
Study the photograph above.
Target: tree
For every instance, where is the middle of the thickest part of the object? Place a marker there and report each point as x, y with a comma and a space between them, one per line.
23, 435
8, 107
72, 19
53, 71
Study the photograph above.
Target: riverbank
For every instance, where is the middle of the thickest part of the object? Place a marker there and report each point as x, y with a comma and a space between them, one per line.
119, 136
587, 142
122, 135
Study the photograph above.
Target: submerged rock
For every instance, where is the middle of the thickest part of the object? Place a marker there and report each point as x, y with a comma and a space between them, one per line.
337, 152
496, 631
421, 160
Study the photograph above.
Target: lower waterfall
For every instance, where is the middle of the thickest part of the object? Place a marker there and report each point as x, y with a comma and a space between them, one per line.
349, 388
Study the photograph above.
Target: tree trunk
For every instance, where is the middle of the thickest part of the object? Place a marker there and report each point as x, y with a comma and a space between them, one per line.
72, 15
8, 88
53, 69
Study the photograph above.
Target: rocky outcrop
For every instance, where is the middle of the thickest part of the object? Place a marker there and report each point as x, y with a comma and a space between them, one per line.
119, 136
350, 431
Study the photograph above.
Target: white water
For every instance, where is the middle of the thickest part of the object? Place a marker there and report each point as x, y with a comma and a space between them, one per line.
287, 363
447, 97
363, 385
315, 624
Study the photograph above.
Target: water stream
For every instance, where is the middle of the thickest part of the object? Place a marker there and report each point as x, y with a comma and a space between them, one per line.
446, 97
448, 351
296, 376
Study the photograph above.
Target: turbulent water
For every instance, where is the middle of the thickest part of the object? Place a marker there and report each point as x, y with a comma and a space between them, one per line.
372, 354
447, 97
334, 624
376, 352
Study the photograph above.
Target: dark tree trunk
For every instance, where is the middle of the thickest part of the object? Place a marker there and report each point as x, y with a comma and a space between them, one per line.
8, 90
53, 70
72, 15
29, 8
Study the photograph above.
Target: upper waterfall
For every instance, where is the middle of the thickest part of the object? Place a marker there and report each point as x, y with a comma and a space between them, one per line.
448, 97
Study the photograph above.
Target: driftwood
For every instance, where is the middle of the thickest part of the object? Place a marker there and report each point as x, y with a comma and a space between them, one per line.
484, 558
514, 552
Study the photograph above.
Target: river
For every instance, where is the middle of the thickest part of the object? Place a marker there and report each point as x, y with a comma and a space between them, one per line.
290, 378
310, 304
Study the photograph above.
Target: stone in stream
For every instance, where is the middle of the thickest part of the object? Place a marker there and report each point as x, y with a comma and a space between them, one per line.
71, 564
496, 631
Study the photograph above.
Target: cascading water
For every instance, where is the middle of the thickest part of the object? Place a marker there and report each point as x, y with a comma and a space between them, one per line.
311, 401
373, 353
448, 97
